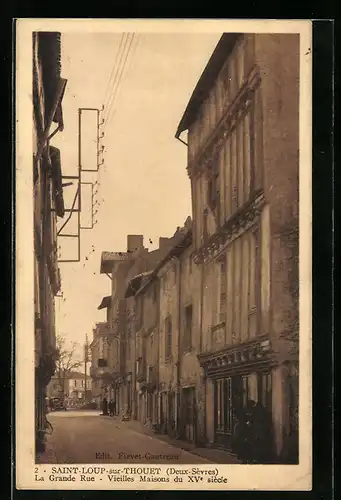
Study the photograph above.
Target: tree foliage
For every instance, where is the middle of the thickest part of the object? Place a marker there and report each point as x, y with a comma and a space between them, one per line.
66, 361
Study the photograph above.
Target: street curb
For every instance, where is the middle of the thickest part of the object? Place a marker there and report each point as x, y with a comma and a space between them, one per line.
160, 440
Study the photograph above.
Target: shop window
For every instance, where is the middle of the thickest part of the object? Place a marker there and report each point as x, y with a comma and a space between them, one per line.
223, 406
245, 389
265, 390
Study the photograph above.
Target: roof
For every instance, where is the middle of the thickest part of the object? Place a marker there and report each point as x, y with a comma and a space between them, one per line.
106, 302
207, 79
57, 180
108, 258
76, 375
176, 251
50, 56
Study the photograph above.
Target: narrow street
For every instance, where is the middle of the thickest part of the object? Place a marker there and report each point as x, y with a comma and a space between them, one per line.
88, 437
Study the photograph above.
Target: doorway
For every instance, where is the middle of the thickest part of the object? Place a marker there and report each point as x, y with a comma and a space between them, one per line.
188, 414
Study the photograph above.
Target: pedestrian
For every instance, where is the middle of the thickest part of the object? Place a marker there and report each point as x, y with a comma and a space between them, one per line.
262, 434
105, 406
240, 438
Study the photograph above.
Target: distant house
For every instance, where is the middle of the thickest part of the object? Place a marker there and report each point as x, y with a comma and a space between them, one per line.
74, 387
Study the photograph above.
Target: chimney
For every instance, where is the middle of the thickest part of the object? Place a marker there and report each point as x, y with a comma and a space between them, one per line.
134, 242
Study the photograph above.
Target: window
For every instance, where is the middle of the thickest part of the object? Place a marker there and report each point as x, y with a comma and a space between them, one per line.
254, 278
75, 383
223, 406
265, 390
243, 281
168, 334
139, 312
154, 290
245, 390
213, 185
188, 327
222, 291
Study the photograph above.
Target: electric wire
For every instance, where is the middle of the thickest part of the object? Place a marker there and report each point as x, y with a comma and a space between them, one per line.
114, 84
120, 78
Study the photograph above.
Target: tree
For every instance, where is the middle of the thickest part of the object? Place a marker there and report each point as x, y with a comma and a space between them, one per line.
65, 361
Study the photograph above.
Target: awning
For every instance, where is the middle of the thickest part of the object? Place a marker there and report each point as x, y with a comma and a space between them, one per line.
136, 282
106, 302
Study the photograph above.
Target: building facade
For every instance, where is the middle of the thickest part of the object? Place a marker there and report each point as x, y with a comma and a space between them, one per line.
209, 324
73, 392
78, 389
163, 326
243, 163
118, 380
48, 91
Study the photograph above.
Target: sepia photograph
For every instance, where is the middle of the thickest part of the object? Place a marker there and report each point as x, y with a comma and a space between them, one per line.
163, 290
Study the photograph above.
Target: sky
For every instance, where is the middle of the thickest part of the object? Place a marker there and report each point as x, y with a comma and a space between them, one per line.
143, 186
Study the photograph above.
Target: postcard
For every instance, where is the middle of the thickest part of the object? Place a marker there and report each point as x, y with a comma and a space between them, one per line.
163, 254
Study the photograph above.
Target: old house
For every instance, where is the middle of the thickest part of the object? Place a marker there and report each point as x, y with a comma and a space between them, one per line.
145, 294
104, 360
190, 374
243, 153
157, 312
48, 90
121, 267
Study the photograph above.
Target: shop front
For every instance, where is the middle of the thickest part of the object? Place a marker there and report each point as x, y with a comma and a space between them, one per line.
235, 379
233, 394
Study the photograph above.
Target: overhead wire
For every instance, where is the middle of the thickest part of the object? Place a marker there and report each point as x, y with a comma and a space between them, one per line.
107, 91
128, 70
114, 84
109, 116
118, 74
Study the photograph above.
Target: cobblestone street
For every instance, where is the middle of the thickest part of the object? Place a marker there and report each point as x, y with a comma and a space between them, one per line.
88, 437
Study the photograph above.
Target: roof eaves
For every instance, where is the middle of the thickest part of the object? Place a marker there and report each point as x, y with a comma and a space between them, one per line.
108, 259
106, 302
207, 79
175, 251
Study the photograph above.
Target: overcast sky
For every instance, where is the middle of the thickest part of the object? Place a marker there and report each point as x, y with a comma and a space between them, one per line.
143, 185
